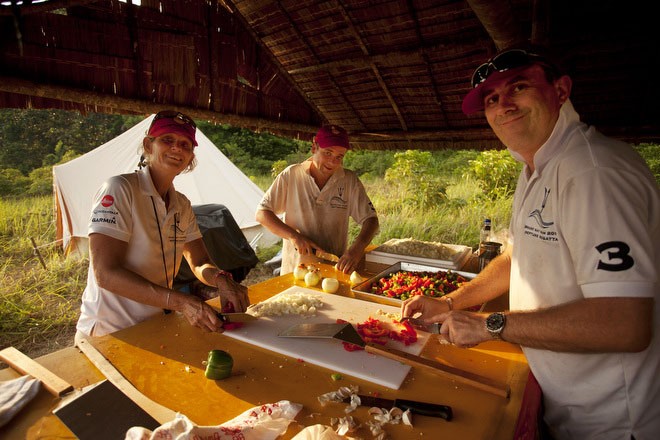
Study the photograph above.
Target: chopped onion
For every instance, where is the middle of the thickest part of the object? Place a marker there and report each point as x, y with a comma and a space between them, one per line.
406, 418
292, 304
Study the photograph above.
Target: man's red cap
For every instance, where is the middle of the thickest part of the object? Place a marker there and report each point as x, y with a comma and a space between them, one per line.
332, 136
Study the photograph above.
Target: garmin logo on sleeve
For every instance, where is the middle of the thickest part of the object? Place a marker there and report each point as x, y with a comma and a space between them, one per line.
112, 220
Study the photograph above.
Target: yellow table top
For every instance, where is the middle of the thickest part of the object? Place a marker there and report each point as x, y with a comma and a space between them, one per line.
154, 356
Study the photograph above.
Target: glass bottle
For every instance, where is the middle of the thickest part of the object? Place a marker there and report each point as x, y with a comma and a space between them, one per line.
484, 235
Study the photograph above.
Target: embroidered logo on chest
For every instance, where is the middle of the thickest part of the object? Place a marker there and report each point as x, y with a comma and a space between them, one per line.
538, 224
338, 201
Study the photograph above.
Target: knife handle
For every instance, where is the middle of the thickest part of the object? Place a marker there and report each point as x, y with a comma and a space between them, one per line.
475, 380
425, 409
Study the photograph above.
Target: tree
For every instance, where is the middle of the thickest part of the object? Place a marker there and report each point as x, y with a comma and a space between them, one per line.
28, 136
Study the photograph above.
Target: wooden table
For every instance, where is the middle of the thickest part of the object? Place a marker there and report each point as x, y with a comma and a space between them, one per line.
154, 356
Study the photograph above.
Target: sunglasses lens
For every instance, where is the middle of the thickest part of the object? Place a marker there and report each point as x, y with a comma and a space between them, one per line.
511, 60
480, 74
504, 61
176, 116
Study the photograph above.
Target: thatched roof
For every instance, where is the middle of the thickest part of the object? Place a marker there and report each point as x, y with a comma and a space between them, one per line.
392, 72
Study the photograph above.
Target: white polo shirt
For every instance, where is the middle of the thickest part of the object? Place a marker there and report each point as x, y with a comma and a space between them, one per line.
586, 224
123, 209
321, 215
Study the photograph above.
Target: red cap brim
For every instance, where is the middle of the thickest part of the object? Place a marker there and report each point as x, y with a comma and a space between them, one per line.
474, 100
167, 125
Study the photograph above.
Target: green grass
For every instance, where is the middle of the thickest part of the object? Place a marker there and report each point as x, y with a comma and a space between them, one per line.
37, 307
457, 220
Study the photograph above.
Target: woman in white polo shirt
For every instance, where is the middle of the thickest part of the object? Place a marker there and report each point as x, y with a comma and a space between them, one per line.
140, 227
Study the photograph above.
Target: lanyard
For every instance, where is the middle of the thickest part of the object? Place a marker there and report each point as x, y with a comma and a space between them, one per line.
162, 248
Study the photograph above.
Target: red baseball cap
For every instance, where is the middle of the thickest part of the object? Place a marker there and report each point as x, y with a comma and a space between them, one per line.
332, 136
173, 122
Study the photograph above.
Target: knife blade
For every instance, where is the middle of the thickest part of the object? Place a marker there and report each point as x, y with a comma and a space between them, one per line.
236, 317
325, 255
415, 407
433, 328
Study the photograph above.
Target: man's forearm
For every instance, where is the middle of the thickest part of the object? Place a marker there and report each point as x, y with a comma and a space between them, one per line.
272, 222
490, 283
367, 232
587, 326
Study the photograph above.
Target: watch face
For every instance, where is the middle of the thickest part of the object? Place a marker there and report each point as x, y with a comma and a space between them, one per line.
495, 322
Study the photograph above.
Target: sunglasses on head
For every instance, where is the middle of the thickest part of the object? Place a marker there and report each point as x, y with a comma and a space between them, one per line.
504, 61
175, 116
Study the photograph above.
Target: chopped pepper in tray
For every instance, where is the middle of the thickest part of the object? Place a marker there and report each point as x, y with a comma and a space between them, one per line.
403, 284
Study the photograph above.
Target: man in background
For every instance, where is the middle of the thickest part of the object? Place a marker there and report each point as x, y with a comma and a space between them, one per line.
316, 198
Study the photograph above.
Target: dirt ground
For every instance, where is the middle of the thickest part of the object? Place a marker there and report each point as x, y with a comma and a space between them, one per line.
65, 337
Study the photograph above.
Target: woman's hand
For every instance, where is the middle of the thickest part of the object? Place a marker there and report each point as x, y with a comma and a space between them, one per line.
199, 314
231, 292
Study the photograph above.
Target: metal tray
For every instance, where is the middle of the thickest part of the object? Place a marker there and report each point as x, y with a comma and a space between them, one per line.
363, 289
461, 255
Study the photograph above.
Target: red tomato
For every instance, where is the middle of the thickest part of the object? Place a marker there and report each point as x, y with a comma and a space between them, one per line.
351, 347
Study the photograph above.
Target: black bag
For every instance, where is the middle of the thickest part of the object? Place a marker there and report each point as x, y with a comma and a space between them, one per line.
225, 243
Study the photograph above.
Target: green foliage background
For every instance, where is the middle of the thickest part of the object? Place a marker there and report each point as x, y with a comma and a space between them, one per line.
32, 141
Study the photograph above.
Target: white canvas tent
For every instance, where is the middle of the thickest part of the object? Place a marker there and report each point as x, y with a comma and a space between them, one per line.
215, 180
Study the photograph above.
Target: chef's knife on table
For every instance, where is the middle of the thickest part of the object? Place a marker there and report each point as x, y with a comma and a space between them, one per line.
325, 255
346, 333
421, 408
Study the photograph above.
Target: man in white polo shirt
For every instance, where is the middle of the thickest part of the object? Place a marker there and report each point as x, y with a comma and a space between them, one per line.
582, 266
317, 197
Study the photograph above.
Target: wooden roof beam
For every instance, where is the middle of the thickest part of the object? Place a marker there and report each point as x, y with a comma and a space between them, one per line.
309, 47
497, 18
38, 8
427, 64
119, 104
373, 66
390, 59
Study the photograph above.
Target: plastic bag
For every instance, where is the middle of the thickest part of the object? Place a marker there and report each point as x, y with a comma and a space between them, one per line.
265, 422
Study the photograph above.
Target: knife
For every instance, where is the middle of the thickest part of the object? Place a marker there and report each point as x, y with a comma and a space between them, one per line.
346, 333
433, 328
421, 408
325, 255
233, 317
236, 317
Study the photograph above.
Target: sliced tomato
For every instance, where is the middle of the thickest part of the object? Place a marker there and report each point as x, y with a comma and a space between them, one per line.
375, 332
351, 347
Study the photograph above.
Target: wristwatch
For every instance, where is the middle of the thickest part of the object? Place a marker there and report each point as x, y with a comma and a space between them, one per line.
495, 324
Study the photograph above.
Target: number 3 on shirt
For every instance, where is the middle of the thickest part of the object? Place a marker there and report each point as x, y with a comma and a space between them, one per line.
615, 250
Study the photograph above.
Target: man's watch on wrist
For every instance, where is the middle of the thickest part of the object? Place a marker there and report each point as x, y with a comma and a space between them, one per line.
495, 323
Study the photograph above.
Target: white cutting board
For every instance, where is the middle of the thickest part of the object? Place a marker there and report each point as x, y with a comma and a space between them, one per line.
330, 353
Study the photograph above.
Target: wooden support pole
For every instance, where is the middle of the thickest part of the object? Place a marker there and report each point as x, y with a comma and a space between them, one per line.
37, 253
